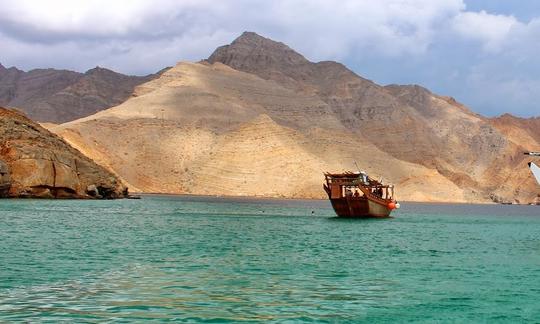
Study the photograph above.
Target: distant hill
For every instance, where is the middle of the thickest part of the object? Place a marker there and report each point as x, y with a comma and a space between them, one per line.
522, 131
57, 96
257, 118
36, 163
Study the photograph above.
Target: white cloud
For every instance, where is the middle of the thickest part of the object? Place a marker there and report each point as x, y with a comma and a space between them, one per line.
333, 30
491, 30
319, 28
392, 27
425, 40
76, 20
514, 93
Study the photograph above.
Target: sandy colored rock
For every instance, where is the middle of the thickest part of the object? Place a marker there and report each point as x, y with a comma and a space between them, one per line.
408, 122
42, 165
209, 129
5, 179
524, 132
258, 119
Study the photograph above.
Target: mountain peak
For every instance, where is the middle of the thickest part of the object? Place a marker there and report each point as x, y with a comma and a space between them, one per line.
2, 68
255, 40
251, 36
507, 116
251, 51
99, 71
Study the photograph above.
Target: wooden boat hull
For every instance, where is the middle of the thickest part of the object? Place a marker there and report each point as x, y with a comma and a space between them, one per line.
361, 207
352, 196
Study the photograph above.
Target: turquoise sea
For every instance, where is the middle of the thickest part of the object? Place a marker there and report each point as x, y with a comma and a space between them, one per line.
199, 259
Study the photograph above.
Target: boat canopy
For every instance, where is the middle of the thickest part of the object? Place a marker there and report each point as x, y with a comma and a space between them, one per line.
350, 178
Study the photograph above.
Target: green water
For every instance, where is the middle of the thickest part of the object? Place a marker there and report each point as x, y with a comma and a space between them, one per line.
198, 259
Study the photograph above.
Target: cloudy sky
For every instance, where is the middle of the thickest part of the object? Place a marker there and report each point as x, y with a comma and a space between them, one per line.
482, 52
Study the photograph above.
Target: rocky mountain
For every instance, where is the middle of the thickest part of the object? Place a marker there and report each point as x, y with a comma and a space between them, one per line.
57, 96
257, 118
459, 144
524, 132
37, 163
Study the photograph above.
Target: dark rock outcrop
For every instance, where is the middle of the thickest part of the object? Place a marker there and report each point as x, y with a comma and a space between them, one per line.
57, 96
38, 164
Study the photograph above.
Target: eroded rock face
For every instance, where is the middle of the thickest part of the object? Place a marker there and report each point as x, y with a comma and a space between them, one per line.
410, 123
39, 164
5, 179
57, 96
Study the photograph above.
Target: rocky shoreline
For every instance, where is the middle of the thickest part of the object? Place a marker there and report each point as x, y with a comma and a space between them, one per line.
35, 163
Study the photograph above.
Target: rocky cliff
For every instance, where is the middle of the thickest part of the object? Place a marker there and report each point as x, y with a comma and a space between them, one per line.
407, 122
257, 118
524, 132
37, 163
49, 95
5, 179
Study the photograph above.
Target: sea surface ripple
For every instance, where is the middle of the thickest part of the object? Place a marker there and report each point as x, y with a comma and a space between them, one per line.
200, 259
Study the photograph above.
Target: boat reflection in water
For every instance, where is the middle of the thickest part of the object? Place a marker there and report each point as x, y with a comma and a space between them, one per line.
355, 194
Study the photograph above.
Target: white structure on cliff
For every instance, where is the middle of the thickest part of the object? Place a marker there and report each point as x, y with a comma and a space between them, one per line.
534, 168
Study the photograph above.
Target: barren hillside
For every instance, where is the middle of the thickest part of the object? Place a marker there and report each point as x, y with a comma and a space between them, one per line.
257, 118
49, 95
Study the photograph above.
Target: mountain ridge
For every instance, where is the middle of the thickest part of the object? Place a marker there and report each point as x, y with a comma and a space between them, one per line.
51, 95
368, 108
431, 146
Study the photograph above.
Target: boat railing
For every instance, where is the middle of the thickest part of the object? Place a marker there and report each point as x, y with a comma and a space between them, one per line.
346, 185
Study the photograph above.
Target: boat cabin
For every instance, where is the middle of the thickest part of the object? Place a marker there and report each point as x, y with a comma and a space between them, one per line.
356, 184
